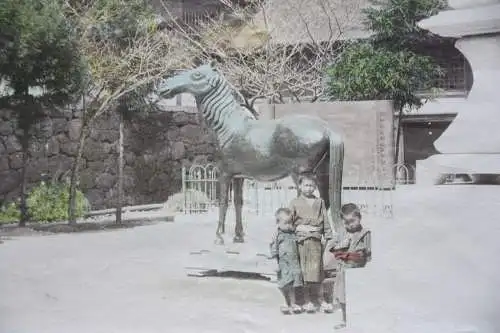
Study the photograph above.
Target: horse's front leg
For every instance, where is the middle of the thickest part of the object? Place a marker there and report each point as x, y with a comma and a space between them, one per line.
295, 178
238, 205
224, 183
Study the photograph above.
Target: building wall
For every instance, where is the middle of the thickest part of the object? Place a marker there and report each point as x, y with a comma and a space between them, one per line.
367, 129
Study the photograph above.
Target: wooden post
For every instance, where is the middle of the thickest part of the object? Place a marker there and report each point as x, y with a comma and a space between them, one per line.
120, 170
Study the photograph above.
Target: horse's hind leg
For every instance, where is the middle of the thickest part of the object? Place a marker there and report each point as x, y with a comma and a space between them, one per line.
238, 205
323, 177
295, 178
224, 183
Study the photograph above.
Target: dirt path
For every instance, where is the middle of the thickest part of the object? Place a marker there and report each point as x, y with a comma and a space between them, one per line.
428, 275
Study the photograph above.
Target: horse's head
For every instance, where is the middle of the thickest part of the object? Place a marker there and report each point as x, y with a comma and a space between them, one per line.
195, 81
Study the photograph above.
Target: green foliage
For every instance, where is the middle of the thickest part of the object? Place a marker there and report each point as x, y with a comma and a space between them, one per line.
40, 51
386, 66
48, 202
395, 21
377, 73
9, 212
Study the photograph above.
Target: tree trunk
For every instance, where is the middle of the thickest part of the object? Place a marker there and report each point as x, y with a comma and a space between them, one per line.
23, 207
75, 168
119, 202
398, 134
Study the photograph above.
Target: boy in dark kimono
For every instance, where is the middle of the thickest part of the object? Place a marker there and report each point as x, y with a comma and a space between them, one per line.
284, 248
311, 225
352, 249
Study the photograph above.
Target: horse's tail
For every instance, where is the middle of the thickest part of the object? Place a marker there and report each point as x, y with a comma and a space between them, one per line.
335, 169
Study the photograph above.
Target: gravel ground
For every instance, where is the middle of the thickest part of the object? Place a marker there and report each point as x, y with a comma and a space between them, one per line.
433, 271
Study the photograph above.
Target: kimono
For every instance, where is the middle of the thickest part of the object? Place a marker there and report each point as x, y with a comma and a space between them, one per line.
359, 241
311, 223
284, 248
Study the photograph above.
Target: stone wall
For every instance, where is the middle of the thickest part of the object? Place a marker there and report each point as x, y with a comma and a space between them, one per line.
156, 147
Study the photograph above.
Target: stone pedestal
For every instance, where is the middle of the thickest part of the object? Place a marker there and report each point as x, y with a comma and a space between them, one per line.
471, 144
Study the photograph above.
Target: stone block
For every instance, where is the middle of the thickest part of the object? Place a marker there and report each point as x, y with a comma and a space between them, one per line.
12, 144
182, 118
59, 164
59, 125
108, 136
53, 146
43, 129
87, 179
10, 181
69, 148
105, 181
178, 151
95, 151
4, 163
129, 158
74, 129
36, 167
3, 150
6, 128
16, 160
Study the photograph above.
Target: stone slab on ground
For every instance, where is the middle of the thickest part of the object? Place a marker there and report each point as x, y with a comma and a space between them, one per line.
231, 259
249, 257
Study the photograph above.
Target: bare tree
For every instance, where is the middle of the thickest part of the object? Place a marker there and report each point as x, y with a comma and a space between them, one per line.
126, 53
275, 50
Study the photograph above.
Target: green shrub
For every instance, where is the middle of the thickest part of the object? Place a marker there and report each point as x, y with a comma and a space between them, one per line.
9, 212
364, 72
48, 202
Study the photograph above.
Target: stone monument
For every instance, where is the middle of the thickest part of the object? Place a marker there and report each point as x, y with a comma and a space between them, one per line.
471, 144
264, 150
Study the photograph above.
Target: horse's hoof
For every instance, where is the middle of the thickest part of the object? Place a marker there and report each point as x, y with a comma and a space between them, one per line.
219, 241
238, 239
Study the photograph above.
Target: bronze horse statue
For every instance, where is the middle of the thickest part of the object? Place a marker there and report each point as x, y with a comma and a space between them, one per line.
265, 150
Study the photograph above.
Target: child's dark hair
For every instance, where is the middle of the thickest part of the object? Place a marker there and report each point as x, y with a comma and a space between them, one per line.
350, 208
309, 176
282, 210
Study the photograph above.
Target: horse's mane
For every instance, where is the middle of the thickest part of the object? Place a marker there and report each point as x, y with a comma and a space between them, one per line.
238, 96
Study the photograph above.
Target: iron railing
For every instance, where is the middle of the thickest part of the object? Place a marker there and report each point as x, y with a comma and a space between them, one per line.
201, 193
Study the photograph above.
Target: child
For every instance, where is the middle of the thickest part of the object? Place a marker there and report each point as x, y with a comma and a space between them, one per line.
311, 222
284, 248
353, 251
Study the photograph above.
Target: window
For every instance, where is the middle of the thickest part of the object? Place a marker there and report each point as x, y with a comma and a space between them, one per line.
457, 77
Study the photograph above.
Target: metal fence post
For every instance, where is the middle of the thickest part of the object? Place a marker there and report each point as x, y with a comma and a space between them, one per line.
184, 189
